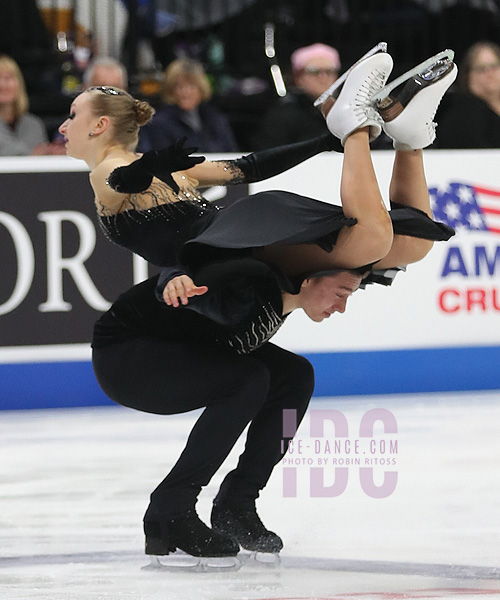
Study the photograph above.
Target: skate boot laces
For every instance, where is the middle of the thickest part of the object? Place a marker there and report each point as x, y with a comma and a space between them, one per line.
334, 89
372, 84
362, 100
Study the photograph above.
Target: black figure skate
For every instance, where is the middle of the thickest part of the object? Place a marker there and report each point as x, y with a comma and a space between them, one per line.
243, 525
202, 548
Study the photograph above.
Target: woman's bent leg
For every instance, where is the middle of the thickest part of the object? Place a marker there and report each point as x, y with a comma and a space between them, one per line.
408, 183
408, 187
367, 241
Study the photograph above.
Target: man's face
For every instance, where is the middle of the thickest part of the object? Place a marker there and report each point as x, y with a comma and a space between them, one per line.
323, 296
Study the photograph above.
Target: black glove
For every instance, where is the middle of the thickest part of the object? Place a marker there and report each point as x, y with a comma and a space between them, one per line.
267, 163
137, 176
131, 179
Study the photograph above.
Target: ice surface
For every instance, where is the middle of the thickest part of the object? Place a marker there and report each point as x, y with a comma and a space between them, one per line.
75, 484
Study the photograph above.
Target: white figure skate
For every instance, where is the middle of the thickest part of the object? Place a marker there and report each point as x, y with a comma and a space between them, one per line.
331, 91
408, 104
353, 107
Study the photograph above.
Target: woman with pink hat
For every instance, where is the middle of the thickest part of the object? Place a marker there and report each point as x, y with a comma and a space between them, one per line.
293, 118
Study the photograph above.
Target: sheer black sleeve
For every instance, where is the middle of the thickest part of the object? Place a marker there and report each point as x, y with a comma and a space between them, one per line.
273, 161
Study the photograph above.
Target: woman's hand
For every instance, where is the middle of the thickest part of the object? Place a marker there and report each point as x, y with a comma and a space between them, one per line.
182, 288
162, 163
137, 176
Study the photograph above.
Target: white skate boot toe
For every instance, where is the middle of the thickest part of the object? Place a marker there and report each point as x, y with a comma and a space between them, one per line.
332, 90
408, 111
353, 108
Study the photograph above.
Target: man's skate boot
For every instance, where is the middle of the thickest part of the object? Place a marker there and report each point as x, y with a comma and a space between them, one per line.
408, 109
188, 533
353, 108
242, 524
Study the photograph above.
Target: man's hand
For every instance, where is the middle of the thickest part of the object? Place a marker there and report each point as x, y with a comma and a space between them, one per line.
182, 288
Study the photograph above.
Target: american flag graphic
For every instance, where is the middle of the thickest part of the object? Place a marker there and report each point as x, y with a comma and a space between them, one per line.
466, 207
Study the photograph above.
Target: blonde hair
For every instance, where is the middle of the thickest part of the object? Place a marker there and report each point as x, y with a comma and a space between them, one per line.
126, 113
193, 71
21, 103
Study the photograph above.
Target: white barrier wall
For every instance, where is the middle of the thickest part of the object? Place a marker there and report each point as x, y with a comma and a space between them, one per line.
436, 328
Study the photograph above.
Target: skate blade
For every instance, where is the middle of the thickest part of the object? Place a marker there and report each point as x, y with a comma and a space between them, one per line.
380, 47
265, 560
185, 563
419, 69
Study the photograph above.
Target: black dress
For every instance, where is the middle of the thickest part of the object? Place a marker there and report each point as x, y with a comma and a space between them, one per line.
192, 230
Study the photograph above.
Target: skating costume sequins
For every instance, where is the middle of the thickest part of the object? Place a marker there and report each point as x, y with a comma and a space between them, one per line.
156, 222
264, 324
237, 175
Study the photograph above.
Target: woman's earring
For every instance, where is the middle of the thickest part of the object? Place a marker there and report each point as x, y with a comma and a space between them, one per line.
91, 134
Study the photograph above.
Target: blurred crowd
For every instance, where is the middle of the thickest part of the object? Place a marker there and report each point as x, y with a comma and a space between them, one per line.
192, 99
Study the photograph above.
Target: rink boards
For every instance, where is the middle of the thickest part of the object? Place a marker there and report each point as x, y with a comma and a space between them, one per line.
436, 329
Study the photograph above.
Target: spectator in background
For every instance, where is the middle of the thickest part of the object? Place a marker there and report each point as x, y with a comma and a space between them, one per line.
294, 118
470, 118
106, 71
481, 73
186, 110
21, 133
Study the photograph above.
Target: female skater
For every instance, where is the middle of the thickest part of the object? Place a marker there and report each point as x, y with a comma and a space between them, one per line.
151, 205
215, 352
153, 215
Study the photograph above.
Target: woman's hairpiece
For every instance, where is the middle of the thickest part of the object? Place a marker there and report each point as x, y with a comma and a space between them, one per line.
107, 90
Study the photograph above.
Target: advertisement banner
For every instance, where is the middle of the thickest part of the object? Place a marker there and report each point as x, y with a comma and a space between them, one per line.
59, 273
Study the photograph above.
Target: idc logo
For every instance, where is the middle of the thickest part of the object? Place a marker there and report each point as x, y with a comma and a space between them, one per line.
325, 463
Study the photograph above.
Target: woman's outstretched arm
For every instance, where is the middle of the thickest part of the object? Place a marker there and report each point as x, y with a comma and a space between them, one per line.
263, 164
